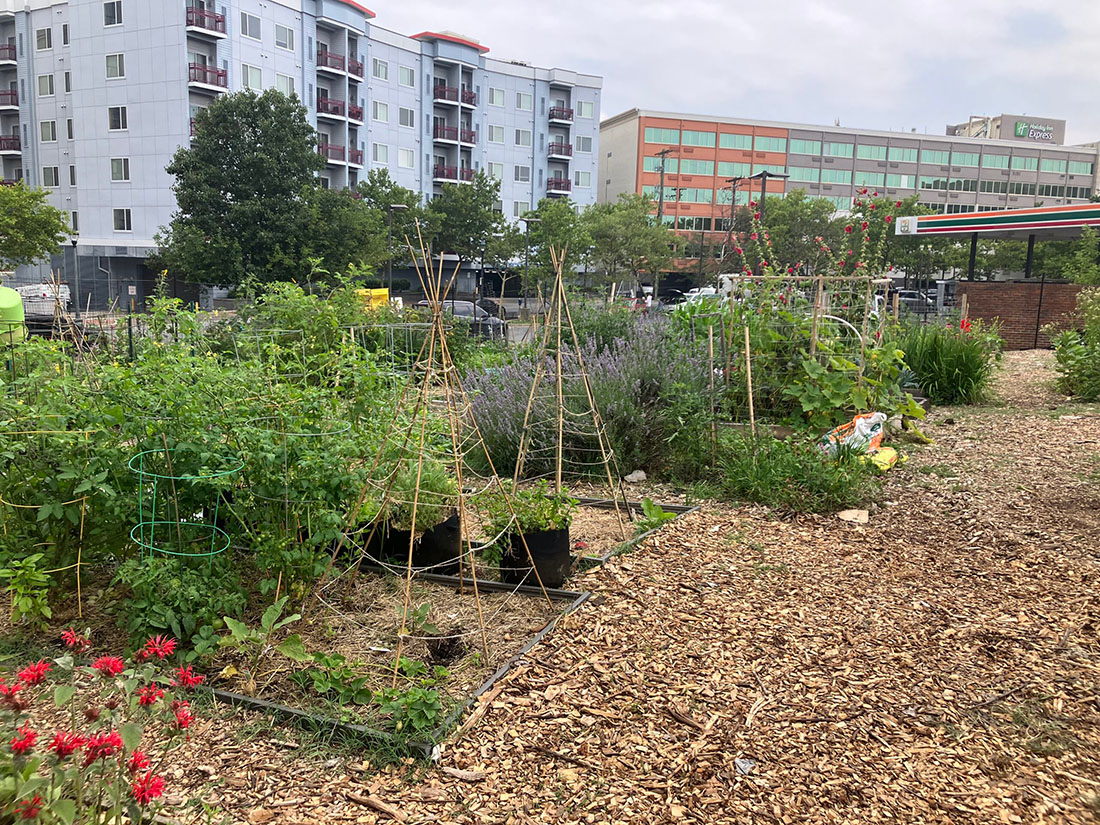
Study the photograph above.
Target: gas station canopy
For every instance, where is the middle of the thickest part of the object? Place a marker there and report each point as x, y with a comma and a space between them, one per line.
1047, 223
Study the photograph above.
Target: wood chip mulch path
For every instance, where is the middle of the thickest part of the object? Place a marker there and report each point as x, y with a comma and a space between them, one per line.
940, 664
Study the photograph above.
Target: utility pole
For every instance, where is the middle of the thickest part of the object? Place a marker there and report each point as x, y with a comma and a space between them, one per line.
664, 153
734, 182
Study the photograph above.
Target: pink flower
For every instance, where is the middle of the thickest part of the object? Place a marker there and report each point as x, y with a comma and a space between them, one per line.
149, 695
74, 641
138, 761
185, 678
147, 788
34, 674
889, 218
29, 808
65, 744
101, 746
159, 646
24, 740
754, 236
739, 250
109, 666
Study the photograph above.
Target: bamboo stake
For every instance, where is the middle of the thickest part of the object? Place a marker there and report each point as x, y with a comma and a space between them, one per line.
713, 420
897, 306
863, 336
819, 293
558, 290
748, 377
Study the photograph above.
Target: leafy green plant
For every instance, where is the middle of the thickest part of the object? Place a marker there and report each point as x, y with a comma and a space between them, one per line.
332, 676
255, 642
435, 501
653, 516
416, 619
415, 710
952, 365
1077, 351
29, 589
536, 509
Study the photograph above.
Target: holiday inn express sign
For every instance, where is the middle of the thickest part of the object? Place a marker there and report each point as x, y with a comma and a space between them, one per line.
1033, 129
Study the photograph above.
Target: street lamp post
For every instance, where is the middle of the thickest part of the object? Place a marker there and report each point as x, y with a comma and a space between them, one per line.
763, 178
76, 276
527, 221
389, 247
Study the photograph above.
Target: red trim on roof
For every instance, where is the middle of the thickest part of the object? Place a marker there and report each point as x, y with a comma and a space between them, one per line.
450, 39
358, 6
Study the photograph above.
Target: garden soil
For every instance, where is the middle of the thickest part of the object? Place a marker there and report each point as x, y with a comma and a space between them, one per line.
940, 664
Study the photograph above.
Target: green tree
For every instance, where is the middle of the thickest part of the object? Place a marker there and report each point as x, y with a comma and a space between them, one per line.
466, 216
1084, 266
342, 230
380, 191
559, 228
794, 223
30, 229
626, 238
243, 190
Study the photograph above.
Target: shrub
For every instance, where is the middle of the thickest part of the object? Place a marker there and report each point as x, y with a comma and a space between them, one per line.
1077, 352
952, 365
791, 475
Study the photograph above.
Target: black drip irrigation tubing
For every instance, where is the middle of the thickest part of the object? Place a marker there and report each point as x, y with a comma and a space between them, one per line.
589, 562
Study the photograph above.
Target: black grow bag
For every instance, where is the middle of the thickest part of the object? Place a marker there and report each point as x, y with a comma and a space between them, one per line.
550, 551
437, 549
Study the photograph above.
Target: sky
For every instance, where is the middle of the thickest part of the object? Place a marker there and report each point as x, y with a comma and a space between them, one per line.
876, 65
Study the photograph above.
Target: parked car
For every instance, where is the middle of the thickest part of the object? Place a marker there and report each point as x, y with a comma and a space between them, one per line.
481, 321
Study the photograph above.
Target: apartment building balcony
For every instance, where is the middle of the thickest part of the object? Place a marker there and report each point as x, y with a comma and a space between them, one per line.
330, 63
445, 134
332, 152
468, 98
446, 94
355, 112
355, 157
9, 100
451, 174
205, 23
332, 109
467, 137
207, 78
192, 127
559, 151
355, 67
10, 145
7, 54
558, 186
561, 114
9, 182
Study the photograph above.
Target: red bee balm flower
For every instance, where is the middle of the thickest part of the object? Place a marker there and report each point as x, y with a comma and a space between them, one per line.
34, 674
186, 678
149, 695
23, 741
159, 646
29, 808
147, 788
184, 717
74, 641
9, 695
65, 744
102, 746
138, 761
109, 666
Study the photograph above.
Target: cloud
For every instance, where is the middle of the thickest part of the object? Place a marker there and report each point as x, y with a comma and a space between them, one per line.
876, 64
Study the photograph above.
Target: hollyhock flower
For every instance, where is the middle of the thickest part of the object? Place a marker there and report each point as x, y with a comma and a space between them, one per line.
65, 744
101, 746
109, 666
147, 788
29, 808
34, 674
739, 250
754, 236
763, 263
138, 761
752, 204
149, 695
186, 678
863, 226
756, 215
889, 218
863, 191
897, 204
851, 252
75, 641
159, 646
23, 741
848, 229
871, 206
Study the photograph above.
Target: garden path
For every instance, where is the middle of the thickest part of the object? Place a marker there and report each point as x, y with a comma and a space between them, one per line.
938, 665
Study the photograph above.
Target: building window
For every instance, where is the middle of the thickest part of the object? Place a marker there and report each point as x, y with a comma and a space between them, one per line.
775, 169
252, 77
72, 175
1052, 190
406, 77
869, 179
999, 187
582, 179
926, 182
379, 69
964, 158
521, 174
524, 101
1080, 167
958, 208
1050, 165
838, 150
942, 157
901, 181
112, 13
994, 161
963, 184
285, 84
68, 82
520, 208
523, 137
406, 117
691, 138
48, 130
805, 174
1024, 163
496, 171
1079, 192
688, 166
250, 26
51, 179
672, 165
584, 143
406, 158
734, 169
69, 128
653, 135
805, 147
730, 141
380, 153
120, 169
691, 195
871, 152
670, 193
380, 111
45, 85
496, 97
64, 34
116, 66
770, 144
1018, 188
496, 134
837, 175
585, 108
284, 37
116, 118
900, 154
43, 39
123, 222
74, 221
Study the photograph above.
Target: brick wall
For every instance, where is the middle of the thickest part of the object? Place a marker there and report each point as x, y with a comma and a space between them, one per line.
1015, 303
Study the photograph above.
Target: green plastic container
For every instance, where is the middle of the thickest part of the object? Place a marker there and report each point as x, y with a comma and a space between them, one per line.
12, 327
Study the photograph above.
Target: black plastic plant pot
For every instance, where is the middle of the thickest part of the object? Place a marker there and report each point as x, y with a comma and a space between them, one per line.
550, 552
439, 548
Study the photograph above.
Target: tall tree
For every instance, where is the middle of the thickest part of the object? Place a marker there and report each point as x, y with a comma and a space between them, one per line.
342, 229
560, 228
242, 190
30, 229
382, 192
1084, 266
626, 238
466, 216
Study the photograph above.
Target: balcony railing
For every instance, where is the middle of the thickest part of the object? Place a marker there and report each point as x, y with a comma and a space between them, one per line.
560, 149
355, 112
9, 144
561, 113
445, 133
439, 171
7, 52
558, 185
469, 98
210, 75
466, 174
328, 106
8, 182
467, 136
355, 67
355, 156
192, 127
446, 93
329, 60
9, 98
330, 151
203, 19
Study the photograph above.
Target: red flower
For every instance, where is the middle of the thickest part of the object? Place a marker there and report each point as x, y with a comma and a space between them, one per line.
848, 229
863, 191
752, 204
34, 674
964, 325
889, 218
871, 205
147, 788
9, 695
91, 713
184, 718
65, 744
754, 236
159, 646
739, 250
24, 740
863, 226
756, 215
851, 252
75, 641
790, 270
185, 678
109, 666
138, 761
29, 808
898, 204
101, 746
874, 194
763, 263
149, 695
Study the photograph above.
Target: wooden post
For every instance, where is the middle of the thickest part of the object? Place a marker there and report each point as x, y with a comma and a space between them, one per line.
558, 289
897, 306
748, 377
964, 306
818, 294
713, 420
